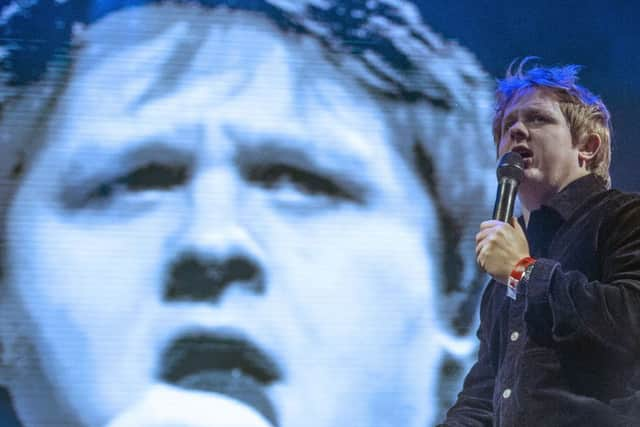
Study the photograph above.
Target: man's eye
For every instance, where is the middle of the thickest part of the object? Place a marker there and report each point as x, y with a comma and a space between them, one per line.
538, 118
152, 176
280, 176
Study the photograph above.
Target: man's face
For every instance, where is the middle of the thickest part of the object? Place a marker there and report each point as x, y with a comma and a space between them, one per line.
534, 126
218, 208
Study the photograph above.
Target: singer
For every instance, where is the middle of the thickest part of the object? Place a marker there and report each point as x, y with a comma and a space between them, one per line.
563, 348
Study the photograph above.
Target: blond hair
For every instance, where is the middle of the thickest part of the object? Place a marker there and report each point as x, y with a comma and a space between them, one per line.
584, 112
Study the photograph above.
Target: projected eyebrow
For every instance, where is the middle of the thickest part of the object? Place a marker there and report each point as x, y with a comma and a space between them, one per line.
95, 176
273, 164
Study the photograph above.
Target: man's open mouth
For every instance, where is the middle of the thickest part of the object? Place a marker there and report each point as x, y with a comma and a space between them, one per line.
523, 151
527, 155
222, 363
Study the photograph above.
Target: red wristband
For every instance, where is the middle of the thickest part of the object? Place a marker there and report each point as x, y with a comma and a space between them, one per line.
516, 275
521, 266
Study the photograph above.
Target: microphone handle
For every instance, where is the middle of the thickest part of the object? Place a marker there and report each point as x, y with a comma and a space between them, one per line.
505, 199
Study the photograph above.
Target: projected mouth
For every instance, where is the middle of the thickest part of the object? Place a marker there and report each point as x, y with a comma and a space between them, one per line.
222, 363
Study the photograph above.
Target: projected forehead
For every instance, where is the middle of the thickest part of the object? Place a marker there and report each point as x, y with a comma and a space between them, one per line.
383, 44
191, 76
387, 36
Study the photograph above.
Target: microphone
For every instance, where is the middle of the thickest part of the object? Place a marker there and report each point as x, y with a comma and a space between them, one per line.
510, 172
167, 406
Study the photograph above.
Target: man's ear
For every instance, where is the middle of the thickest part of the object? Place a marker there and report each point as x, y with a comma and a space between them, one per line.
588, 147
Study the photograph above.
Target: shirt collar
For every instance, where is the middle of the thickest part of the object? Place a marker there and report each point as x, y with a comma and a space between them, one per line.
573, 195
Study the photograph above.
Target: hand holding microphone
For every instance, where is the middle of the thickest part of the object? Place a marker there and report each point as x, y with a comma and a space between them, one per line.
501, 242
510, 173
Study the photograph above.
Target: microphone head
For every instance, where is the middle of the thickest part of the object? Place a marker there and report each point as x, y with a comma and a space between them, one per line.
511, 166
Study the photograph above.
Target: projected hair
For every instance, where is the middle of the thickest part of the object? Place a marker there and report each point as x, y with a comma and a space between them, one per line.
584, 112
433, 90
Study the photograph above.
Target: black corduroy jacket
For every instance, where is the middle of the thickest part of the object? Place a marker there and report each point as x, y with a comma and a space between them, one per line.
566, 351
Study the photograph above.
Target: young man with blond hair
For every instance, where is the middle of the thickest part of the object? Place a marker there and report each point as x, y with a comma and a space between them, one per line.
562, 348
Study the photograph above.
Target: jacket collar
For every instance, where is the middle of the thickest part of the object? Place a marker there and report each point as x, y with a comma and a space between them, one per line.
573, 195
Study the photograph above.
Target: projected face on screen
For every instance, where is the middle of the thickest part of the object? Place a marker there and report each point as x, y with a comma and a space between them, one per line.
218, 209
250, 213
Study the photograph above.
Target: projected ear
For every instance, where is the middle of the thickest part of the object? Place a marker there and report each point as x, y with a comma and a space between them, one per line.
2, 361
5, 359
3, 336
13, 343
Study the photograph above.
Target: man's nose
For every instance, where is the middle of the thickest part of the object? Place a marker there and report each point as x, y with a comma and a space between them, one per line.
215, 251
518, 132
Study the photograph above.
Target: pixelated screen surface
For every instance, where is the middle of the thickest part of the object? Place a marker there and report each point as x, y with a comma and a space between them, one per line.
238, 213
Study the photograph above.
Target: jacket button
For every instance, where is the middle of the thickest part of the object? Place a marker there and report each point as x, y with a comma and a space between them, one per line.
514, 336
506, 393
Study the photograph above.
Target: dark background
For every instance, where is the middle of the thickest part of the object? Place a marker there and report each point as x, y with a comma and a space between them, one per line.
603, 36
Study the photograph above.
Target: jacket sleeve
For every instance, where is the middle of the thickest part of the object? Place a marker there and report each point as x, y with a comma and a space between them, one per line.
564, 306
474, 405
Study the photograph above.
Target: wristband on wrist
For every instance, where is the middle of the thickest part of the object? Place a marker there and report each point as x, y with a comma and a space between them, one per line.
516, 275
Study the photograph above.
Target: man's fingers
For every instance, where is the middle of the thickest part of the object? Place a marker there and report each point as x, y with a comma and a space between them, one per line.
480, 256
516, 224
486, 231
490, 223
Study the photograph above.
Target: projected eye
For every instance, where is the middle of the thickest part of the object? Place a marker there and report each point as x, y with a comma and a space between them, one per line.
150, 177
154, 176
286, 177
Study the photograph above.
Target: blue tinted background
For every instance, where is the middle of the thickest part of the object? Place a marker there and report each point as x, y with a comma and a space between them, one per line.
603, 38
